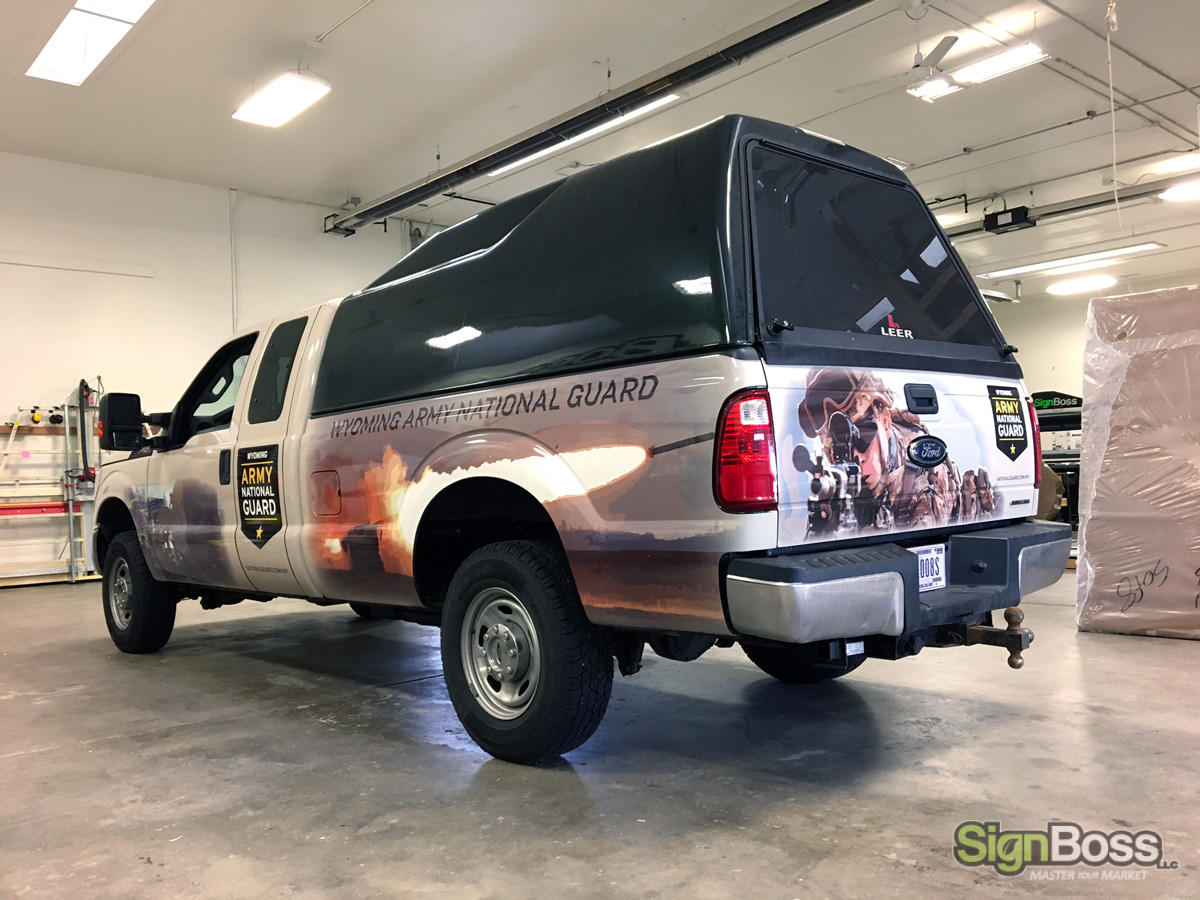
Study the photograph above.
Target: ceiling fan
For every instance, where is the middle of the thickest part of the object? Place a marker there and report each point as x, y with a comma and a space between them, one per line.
924, 80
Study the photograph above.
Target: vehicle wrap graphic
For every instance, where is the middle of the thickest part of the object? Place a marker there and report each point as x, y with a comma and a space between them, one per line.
1009, 419
620, 491
260, 513
861, 462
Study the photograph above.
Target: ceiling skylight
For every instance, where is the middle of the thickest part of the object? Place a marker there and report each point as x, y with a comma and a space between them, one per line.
85, 37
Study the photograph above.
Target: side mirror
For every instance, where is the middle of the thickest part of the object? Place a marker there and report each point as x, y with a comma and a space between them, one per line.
121, 422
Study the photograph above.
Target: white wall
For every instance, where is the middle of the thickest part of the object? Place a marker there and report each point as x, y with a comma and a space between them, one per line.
132, 278
1048, 333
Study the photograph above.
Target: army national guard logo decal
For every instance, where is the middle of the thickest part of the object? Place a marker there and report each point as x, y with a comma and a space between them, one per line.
258, 493
1011, 436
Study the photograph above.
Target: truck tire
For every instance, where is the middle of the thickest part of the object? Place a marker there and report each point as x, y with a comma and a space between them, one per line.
140, 611
795, 666
529, 676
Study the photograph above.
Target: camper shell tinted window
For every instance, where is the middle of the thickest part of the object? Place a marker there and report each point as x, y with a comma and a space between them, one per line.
477, 233
618, 263
845, 251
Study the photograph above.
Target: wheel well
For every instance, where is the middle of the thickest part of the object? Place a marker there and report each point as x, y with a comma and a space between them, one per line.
464, 517
112, 519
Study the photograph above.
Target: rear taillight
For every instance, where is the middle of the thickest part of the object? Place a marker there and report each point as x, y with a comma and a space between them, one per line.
744, 468
1035, 435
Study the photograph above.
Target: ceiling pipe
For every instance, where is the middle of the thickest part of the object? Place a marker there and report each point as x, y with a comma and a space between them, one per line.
707, 62
1084, 204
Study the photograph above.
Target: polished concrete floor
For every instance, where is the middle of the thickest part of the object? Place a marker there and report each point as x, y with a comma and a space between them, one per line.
286, 750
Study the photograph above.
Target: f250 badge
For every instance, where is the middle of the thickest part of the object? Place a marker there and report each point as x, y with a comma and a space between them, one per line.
259, 510
1011, 436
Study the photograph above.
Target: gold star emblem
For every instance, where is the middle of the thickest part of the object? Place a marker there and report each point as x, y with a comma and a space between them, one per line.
259, 534
1012, 451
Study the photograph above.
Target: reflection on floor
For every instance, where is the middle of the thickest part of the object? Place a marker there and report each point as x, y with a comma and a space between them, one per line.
284, 749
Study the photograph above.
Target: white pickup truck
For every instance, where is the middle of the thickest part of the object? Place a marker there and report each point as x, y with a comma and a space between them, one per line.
734, 387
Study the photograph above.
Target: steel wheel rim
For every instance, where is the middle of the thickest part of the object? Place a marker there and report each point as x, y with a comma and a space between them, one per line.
120, 595
501, 657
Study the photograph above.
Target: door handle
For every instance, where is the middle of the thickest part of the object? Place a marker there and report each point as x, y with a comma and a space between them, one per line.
223, 467
921, 398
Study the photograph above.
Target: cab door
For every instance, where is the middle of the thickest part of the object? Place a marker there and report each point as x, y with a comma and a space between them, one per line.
191, 507
266, 501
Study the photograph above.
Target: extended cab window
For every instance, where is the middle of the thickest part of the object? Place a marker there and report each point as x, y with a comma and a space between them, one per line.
845, 251
207, 405
270, 384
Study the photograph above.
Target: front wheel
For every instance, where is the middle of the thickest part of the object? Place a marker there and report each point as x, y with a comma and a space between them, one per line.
529, 676
796, 665
139, 611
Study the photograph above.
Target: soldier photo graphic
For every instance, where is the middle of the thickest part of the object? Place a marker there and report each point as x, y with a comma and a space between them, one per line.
862, 477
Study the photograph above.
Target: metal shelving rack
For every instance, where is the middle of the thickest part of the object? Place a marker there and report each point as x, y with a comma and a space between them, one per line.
60, 488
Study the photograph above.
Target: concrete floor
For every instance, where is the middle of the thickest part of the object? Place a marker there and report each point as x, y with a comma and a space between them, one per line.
286, 750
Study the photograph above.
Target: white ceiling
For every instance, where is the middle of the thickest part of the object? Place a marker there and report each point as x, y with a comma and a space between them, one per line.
415, 80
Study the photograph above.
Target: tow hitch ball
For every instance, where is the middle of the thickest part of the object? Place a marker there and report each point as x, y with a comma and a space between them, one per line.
1014, 638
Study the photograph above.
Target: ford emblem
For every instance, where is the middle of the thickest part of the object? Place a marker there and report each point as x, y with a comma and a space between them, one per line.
927, 451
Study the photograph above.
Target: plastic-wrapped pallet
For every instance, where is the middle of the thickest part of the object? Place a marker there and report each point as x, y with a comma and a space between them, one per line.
1139, 554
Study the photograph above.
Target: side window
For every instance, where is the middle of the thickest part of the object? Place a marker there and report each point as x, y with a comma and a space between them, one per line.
614, 265
270, 384
208, 402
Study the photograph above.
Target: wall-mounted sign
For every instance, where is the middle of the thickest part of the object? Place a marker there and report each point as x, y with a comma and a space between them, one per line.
1045, 400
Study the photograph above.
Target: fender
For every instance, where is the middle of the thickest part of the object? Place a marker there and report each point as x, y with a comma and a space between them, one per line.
120, 486
561, 481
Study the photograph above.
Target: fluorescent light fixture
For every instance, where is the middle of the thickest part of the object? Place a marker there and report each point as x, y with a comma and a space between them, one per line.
1182, 193
898, 163
1000, 64
694, 285
823, 137
1081, 285
285, 97
124, 10
1073, 260
1078, 267
1188, 162
591, 132
77, 47
938, 86
445, 341
948, 220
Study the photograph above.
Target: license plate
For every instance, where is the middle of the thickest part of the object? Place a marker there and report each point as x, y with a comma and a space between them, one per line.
931, 567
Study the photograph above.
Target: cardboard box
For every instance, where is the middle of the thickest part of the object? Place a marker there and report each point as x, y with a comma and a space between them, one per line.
1139, 556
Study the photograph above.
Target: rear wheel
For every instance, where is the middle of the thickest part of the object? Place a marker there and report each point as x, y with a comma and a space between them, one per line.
530, 677
139, 611
796, 665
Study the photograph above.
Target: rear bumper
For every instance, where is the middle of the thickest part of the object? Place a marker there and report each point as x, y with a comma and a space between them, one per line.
872, 591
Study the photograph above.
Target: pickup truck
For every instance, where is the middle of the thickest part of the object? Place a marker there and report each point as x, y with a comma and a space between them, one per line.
735, 387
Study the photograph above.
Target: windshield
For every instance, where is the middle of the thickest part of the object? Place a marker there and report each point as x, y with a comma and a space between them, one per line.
844, 251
